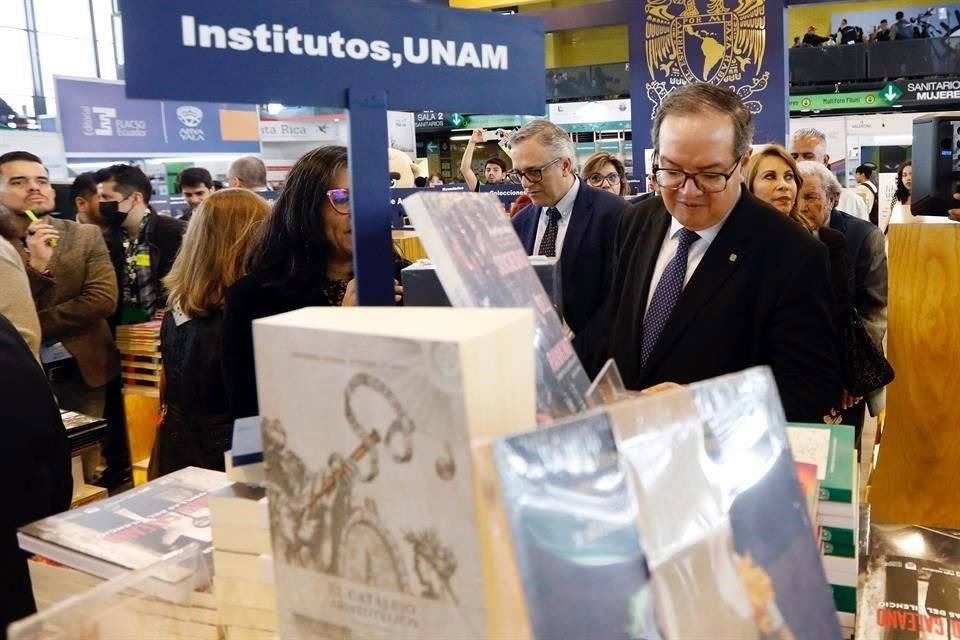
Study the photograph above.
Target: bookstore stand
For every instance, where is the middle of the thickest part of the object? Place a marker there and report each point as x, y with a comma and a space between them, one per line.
915, 478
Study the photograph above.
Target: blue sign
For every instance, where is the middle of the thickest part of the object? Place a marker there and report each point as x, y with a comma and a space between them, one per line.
96, 117
731, 43
308, 53
364, 55
433, 147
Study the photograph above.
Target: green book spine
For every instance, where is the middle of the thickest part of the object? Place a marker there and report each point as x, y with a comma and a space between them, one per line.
836, 456
845, 598
837, 536
839, 550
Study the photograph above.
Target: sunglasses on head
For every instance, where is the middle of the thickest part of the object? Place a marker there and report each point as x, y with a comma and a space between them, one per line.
339, 200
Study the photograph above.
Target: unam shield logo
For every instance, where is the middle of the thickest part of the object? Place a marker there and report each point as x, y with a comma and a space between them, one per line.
718, 45
189, 116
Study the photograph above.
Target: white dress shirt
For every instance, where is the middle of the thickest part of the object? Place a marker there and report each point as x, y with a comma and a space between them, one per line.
694, 254
850, 202
565, 207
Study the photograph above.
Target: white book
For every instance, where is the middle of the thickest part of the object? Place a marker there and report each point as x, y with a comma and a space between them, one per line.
242, 633
252, 541
248, 618
367, 417
245, 594
241, 566
239, 505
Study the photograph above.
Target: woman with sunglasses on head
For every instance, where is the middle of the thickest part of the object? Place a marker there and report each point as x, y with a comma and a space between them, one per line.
303, 258
774, 177
605, 171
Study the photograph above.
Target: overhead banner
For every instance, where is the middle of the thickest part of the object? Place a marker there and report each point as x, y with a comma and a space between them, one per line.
307, 53
97, 119
731, 43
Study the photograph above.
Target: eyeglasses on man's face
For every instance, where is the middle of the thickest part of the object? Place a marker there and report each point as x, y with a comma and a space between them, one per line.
597, 179
530, 175
706, 181
340, 200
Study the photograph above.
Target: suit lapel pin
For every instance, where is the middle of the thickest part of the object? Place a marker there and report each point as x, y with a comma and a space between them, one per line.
733, 257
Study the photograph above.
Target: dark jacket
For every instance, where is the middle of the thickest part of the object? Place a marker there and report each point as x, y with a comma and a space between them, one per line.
197, 426
867, 270
760, 296
586, 261
164, 235
249, 298
35, 474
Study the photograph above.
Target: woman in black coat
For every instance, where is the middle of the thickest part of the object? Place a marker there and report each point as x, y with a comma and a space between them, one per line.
303, 258
35, 474
774, 177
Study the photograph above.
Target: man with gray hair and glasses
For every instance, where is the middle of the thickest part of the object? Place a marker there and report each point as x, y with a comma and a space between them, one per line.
811, 144
567, 219
709, 280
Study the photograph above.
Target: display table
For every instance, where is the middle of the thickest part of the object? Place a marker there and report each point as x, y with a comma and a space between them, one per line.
916, 479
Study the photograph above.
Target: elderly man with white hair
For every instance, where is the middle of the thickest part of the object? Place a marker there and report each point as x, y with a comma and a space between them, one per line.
866, 255
811, 144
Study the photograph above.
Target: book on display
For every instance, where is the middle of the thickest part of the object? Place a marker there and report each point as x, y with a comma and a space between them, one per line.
481, 263
911, 587
141, 603
132, 529
722, 521
572, 520
368, 415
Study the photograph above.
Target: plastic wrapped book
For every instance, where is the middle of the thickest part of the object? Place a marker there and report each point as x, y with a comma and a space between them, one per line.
725, 527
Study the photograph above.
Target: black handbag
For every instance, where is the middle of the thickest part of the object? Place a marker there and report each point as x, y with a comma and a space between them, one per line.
865, 369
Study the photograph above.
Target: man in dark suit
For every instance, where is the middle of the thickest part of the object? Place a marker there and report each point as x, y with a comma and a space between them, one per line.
568, 219
709, 280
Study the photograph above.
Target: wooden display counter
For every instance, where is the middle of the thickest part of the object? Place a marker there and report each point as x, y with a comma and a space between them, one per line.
408, 244
916, 478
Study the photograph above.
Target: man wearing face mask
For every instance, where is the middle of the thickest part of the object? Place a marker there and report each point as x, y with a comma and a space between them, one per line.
143, 244
72, 283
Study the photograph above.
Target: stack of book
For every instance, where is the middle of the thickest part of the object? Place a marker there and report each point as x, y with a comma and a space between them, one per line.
81, 548
243, 566
831, 448
139, 346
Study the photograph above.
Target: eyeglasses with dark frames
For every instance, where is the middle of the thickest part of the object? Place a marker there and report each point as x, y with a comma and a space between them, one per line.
531, 175
706, 181
340, 200
597, 179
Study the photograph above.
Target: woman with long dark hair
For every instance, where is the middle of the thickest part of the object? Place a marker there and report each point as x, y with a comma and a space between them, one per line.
303, 258
900, 206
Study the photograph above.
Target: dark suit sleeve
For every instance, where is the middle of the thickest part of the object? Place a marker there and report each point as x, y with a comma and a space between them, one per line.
840, 276
871, 275
802, 341
35, 474
239, 372
590, 342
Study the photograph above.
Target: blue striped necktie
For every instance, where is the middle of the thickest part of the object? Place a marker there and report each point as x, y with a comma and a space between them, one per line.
666, 294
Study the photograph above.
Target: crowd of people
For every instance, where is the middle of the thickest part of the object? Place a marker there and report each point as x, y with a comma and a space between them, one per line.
901, 29
733, 259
